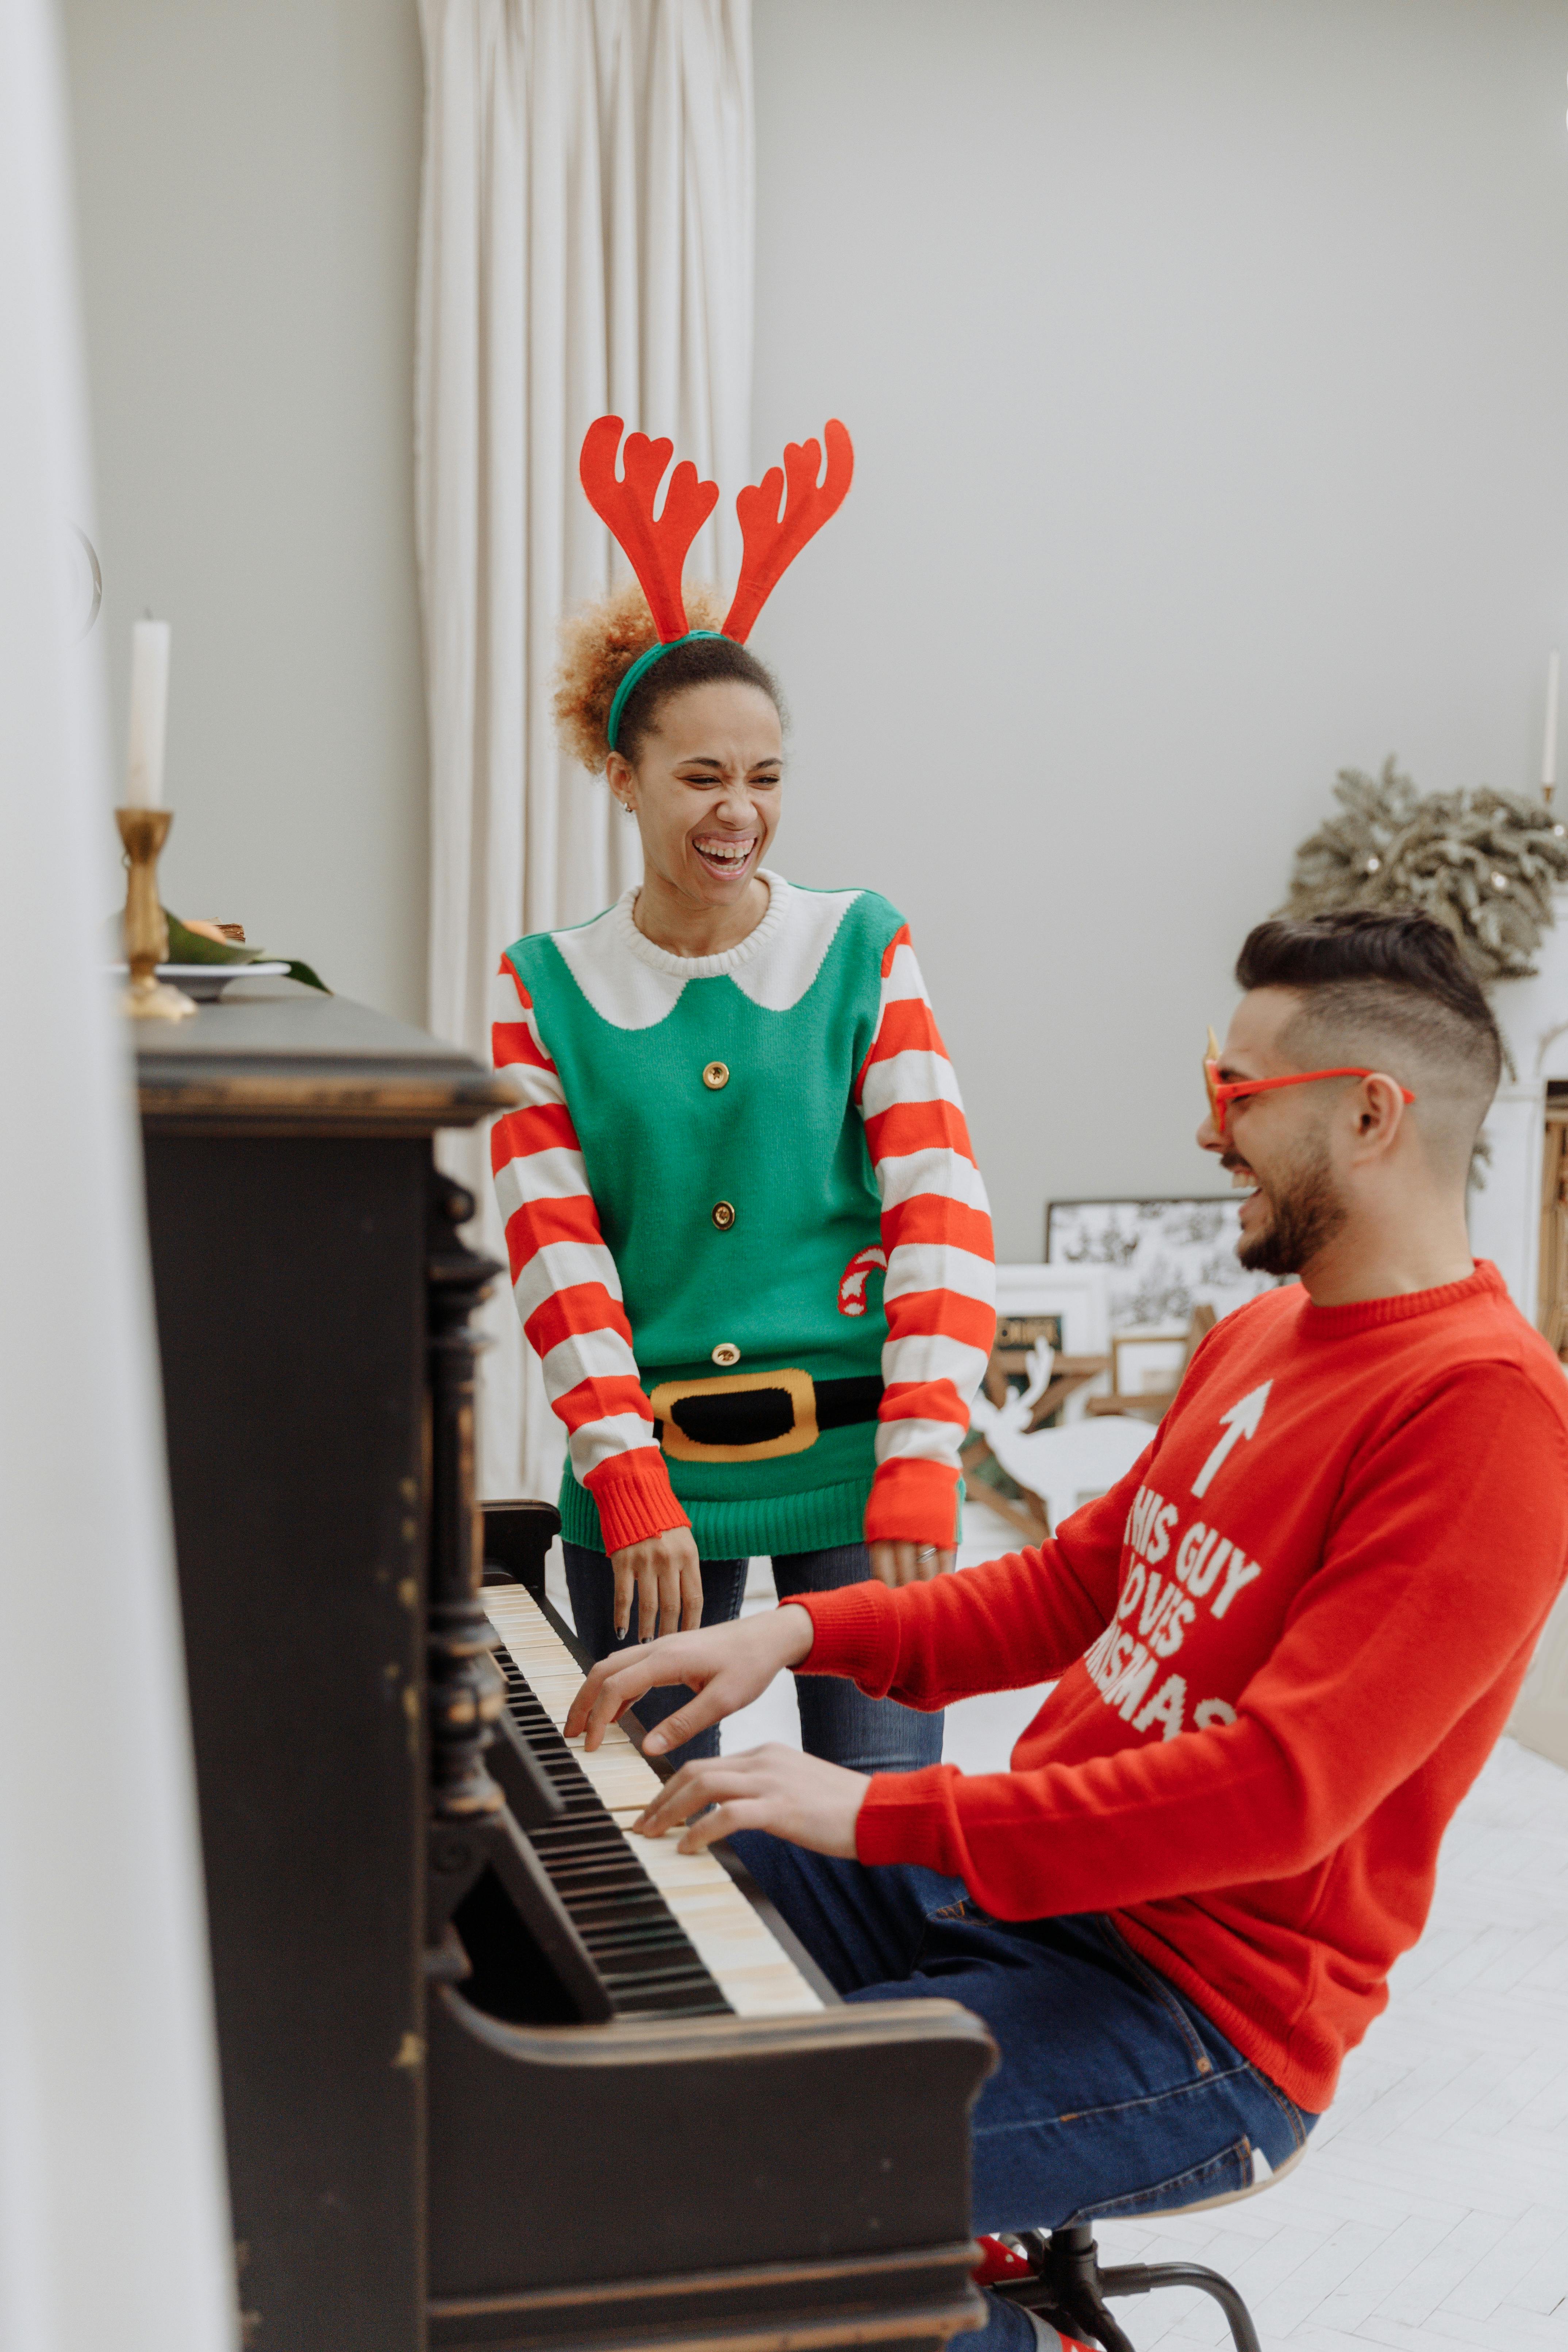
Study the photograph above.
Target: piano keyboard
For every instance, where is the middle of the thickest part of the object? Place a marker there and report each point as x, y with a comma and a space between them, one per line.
669, 1932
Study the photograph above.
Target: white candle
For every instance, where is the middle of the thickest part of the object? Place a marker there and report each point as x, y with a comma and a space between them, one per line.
1549, 749
149, 711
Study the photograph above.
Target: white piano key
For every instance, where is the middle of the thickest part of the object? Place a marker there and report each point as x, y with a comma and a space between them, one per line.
755, 1974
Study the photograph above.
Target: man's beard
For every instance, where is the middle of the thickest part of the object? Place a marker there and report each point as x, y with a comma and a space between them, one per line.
1304, 1215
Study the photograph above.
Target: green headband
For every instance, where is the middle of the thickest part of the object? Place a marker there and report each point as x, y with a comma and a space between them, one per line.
639, 669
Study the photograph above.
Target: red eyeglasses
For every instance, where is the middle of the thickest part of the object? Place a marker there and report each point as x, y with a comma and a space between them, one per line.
1223, 1092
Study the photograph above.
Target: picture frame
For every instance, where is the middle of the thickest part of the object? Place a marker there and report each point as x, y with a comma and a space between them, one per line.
1077, 1294
1024, 1331
1032, 1297
1159, 1258
1018, 1337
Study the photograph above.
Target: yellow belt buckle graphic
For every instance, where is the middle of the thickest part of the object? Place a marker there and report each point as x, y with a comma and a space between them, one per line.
683, 1443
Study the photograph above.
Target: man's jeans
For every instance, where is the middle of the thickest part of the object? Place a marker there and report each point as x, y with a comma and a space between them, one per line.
869, 1735
1114, 2095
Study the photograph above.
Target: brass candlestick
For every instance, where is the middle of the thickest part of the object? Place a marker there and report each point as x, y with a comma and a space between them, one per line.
147, 998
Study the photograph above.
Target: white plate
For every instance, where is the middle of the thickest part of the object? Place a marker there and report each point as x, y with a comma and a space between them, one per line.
207, 981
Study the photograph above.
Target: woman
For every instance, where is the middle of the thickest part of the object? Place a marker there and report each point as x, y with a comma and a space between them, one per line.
747, 1234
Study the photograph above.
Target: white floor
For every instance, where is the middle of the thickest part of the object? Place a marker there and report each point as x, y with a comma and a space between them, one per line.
1432, 2209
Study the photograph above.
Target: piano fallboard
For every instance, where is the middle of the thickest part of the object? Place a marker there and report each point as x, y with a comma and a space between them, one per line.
585, 2179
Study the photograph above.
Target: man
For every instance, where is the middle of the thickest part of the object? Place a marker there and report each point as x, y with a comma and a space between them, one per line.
1286, 1642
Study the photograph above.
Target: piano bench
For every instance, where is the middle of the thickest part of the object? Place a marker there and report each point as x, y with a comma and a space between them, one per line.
1057, 2274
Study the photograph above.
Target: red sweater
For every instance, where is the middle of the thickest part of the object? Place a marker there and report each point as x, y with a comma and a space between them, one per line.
1286, 1642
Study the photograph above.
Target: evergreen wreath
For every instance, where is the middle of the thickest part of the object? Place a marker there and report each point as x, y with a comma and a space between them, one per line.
1483, 863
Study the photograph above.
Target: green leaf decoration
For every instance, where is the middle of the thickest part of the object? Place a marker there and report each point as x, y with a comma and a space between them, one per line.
1483, 863
195, 947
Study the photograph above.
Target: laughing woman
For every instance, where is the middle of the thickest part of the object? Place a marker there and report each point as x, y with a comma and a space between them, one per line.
747, 1234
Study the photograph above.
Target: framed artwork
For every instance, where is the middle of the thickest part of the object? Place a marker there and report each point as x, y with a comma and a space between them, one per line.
1062, 1307
1018, 1338
1075, 1295
1159, 1259
1023, 1332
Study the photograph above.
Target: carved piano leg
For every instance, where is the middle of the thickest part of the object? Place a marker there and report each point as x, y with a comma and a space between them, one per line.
483, 1877
466, 1689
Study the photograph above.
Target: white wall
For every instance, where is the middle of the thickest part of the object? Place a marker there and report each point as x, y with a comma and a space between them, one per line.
248, 175
1207, 361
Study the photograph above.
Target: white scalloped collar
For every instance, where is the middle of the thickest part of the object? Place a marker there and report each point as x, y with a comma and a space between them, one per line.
634, 985
622, 926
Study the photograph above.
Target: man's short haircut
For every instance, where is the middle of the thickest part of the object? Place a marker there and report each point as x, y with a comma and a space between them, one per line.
1391, 991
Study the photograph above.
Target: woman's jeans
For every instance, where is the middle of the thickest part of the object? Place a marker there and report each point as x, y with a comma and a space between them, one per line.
1115, 2094
869, 1735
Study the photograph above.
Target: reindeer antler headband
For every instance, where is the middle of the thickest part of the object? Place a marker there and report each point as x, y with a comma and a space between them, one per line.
656, 547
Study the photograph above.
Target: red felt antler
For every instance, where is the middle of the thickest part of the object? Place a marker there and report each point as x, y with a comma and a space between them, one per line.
773, 540
657, 550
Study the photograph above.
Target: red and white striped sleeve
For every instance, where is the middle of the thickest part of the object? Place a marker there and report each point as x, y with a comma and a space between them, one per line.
567, 1289
940, 1290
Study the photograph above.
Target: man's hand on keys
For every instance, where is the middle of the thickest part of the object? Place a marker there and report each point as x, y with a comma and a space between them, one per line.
725, 1667
797, 1797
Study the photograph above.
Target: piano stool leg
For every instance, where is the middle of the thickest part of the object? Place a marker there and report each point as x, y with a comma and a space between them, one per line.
1069, 2289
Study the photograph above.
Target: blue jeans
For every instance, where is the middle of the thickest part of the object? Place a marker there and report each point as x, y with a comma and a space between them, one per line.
837, 1722
1115, 2094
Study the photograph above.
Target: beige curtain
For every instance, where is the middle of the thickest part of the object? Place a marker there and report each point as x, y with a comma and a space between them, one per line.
586, 246
113, 2221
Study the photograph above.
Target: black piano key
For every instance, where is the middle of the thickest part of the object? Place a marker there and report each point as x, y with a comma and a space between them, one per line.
648, 1964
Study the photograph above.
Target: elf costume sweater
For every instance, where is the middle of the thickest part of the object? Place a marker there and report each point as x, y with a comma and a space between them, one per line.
729, 1165
1286, 1642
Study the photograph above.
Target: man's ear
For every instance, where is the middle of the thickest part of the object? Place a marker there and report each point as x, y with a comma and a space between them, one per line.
1380, 1113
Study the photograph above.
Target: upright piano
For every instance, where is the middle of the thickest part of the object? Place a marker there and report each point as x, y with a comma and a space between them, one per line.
496, 2076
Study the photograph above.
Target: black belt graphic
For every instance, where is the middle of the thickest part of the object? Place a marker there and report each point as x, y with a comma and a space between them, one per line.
757, 1415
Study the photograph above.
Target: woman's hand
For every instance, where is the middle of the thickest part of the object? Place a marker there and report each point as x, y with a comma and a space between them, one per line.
666, 1577
799, 1797
907, 1563
725, 1667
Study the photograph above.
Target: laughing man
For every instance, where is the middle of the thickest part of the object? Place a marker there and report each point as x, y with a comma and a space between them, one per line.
1285, 1645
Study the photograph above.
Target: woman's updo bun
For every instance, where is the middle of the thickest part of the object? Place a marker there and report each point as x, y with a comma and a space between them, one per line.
599, 644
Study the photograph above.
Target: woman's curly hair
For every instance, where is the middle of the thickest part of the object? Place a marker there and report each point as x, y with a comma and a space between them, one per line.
598, 646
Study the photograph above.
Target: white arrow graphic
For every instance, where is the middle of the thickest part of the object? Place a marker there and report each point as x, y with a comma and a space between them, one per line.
1244, 1419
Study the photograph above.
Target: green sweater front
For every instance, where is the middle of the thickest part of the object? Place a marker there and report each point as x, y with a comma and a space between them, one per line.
712, 1161
630, 1032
